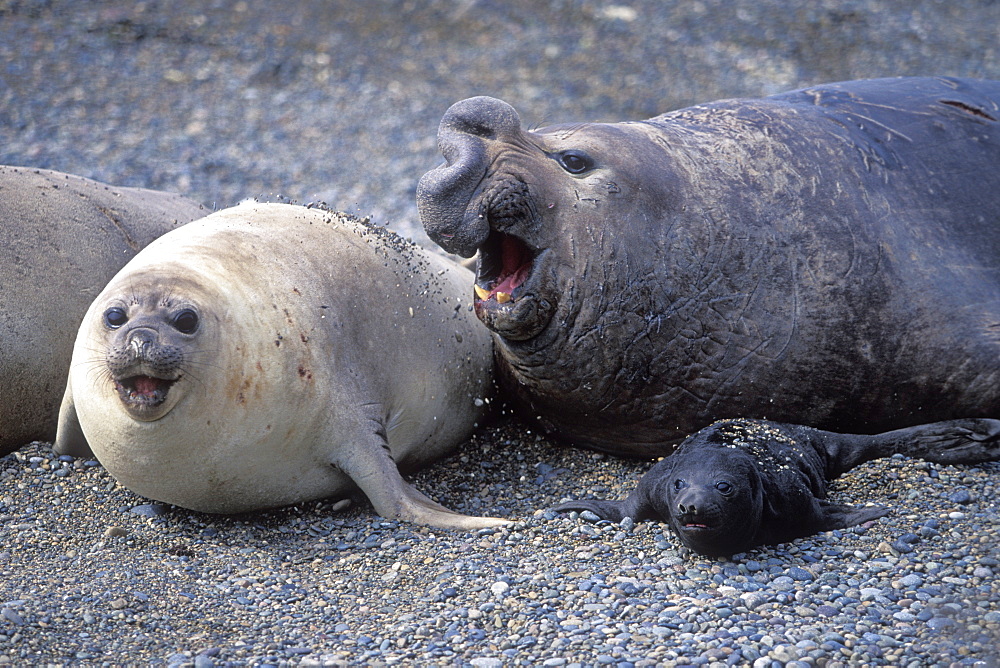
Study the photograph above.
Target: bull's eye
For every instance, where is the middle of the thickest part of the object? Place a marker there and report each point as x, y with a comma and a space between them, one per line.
575, 162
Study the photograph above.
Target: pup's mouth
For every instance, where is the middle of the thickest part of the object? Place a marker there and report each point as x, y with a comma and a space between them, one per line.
694, 523
141, 393
505, 264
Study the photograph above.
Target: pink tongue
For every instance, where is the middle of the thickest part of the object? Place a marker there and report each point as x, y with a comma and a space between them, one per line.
513, 280
516, 266
146, 385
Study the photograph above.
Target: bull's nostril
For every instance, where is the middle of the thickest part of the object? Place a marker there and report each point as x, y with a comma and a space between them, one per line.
474, 128
445, 195
484, 117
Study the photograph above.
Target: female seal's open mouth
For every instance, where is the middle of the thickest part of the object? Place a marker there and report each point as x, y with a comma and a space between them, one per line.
505, 263
143, 391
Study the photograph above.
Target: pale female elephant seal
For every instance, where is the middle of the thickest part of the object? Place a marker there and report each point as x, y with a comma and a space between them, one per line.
62, 238
829, 256
737, 484
270, 354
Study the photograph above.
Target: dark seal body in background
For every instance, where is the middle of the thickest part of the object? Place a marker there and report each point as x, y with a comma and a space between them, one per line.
62, 238
828, 256
737, 484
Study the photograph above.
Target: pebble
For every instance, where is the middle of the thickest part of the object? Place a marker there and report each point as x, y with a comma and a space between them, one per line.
115, 532
961, 497
12, 616
150, 509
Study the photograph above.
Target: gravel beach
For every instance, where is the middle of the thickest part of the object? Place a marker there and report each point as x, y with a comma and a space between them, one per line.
338, 102
91, 573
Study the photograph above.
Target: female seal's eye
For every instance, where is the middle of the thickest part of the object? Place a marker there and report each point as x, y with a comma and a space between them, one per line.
115, 317
724, 487
679, 484
186, 321
575, 162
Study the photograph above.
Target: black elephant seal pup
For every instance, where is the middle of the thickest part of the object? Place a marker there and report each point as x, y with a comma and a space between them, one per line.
62, 238
828, 256
740, 483
270, 354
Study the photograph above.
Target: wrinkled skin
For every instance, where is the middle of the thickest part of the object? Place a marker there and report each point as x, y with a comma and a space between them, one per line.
737, 484
827, 257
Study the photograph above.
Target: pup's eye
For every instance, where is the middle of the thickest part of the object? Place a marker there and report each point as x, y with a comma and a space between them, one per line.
575, 162
724, 488
679, 484
185, 321
115, 317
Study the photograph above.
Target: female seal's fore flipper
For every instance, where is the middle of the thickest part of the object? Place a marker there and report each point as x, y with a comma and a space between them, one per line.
370, 466
69, 436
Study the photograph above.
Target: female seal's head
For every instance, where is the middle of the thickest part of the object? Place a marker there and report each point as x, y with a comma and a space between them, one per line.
146, 340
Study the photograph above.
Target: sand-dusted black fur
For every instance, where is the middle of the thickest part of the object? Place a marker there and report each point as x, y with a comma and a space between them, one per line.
741, 483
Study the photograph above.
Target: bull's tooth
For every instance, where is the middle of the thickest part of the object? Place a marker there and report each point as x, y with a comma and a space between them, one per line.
503, 297
482, 294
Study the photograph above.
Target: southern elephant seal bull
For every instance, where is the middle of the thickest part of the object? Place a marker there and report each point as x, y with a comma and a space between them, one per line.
737, 484
62, 237
828, 256
270, 354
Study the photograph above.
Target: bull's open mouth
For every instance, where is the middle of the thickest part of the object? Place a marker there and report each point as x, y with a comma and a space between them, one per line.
505, 264
514, 298
143, 392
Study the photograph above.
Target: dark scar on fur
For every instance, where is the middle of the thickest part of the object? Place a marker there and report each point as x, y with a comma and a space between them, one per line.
975, 111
